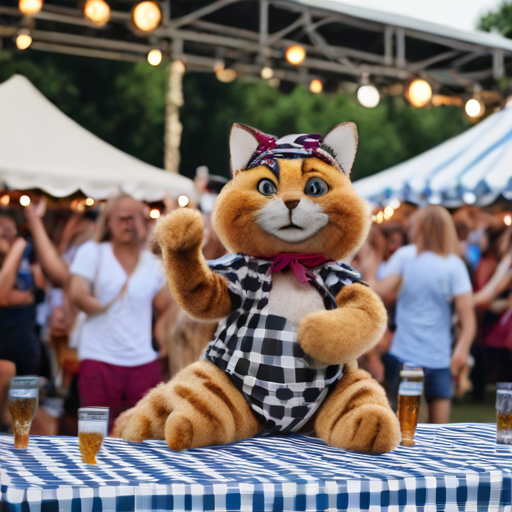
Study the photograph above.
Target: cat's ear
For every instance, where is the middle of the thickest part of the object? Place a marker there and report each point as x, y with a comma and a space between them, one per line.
343, 141
243, 142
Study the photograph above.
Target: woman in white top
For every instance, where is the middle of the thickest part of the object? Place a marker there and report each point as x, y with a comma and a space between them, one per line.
430, 279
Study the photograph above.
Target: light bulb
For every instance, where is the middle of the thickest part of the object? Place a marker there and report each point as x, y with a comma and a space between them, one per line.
316, 86
147, 16
267, 73
368, 96
469, 197
219, 64
23, 40
388, 211
29, 7
97, 11
295, 54
24, 200
379, 218
155, 57
419, 93
507, 220
183, 201
474, 108
5, 200
154, 213
226, 75
274, 82
395, 203
89, 201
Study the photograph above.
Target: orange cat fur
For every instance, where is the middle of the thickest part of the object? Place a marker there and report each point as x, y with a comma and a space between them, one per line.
249, 221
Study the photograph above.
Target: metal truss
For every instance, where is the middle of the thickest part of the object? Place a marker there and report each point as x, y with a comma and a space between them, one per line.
201, 37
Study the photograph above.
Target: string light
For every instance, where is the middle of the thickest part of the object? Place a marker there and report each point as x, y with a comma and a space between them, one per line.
97, 11
154, 213
5, 200
274, 82
474, 108
225, 75
183, 201
30, 7
155, 57
219, 64
147, 16
507, 220
23, 40
395, 203
316, 86
295, 54
469, 197
368, 96
89, 201
267, 73
388, 212
24, 200
379, 217
419, 92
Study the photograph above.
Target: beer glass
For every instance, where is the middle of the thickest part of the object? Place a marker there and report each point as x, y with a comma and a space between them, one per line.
409, 396
504, 412
92, 428
23, 399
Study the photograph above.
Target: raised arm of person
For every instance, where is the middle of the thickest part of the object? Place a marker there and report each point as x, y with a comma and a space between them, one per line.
467, 319
52, 264
498, 282
10, 266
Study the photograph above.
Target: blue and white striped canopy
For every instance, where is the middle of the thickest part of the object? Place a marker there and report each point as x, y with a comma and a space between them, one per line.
473, 168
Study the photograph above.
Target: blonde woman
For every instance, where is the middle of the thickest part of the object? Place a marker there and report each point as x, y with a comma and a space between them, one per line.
431, 280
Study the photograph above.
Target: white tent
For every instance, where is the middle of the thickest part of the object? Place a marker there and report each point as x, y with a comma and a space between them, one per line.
474, 167
40, 147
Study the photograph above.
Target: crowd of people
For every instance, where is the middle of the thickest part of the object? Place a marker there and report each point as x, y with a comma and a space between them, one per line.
84, 304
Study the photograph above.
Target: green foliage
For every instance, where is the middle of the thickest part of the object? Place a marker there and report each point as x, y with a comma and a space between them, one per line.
124, 104
388, 134
498, 21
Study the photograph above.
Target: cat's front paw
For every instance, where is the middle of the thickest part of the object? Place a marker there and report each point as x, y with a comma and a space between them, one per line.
181, 231
316, 331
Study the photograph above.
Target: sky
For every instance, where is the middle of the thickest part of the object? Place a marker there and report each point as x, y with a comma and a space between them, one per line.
461, 14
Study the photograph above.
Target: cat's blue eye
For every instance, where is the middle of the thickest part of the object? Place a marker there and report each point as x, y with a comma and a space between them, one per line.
267, 187
316, 187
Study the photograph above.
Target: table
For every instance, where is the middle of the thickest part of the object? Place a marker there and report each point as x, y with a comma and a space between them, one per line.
451, 468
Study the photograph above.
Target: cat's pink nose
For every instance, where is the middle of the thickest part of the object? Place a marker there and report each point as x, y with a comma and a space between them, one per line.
291, 203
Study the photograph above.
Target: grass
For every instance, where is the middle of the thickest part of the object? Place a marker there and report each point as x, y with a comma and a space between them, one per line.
467, 410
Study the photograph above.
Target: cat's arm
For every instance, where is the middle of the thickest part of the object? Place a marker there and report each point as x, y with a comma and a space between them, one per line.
341, 335
201, 293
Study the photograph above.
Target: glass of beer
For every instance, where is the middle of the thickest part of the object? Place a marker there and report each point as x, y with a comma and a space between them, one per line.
504, 412
409, 396
23, 399
92, 428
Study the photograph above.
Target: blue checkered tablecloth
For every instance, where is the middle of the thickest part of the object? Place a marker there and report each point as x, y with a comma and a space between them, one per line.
452, 468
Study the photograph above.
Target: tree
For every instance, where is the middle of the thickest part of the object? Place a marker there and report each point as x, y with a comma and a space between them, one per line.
498, 21
124, 104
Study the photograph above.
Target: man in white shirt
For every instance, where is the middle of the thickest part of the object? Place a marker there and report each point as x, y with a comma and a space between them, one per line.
118, 284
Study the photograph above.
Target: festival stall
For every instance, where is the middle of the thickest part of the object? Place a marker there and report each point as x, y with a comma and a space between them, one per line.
42, 148
472, 168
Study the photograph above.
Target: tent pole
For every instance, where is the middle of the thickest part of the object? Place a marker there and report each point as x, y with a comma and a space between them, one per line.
173, 126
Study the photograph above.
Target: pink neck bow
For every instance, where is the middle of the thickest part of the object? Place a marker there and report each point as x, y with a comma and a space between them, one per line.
298, 263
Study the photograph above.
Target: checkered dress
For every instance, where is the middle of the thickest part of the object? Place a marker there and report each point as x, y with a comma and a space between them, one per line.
260, 352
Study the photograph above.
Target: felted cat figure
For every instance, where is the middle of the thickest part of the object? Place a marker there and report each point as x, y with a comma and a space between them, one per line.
292, 321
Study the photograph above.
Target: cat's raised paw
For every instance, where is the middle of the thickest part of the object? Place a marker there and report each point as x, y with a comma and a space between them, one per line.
180, 231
